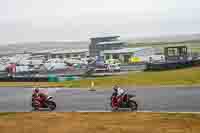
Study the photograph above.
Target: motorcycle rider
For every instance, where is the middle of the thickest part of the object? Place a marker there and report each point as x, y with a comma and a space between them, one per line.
118, 96
119, 91
35, 93
41, 97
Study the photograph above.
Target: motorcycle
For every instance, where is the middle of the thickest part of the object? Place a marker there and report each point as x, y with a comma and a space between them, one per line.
127, 102
47, 104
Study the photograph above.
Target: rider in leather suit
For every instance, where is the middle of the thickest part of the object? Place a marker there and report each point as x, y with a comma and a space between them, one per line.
41, 97
118, 95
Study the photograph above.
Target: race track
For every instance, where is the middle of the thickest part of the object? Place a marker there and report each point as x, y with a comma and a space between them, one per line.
180, 99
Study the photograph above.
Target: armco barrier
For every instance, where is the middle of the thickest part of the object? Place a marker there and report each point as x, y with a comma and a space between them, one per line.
134, 67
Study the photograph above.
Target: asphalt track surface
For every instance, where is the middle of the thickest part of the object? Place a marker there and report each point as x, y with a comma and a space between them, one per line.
170, 99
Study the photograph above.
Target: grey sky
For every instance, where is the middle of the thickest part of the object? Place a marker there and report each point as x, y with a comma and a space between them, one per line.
50, 20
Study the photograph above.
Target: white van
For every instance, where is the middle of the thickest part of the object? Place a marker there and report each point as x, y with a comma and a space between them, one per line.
114, 68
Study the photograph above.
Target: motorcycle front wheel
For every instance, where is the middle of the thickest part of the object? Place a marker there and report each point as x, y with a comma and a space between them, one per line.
51, 105
133, 105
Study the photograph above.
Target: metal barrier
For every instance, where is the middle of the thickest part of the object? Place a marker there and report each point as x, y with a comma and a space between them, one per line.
136, 67
23, 79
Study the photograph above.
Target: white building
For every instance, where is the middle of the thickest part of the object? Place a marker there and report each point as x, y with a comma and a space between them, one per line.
126, 55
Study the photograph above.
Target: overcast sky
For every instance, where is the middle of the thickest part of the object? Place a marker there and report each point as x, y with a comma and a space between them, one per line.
57, 20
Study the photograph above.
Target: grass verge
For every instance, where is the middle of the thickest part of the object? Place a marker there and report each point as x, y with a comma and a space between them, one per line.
100, 123
189, 76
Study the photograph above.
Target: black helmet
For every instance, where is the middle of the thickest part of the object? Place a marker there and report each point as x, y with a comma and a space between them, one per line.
36, 90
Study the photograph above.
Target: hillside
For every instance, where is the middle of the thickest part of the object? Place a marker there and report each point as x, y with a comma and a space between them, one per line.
191, 39
36, 46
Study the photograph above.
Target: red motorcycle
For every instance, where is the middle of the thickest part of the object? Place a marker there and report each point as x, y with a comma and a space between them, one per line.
125, 101
43, 103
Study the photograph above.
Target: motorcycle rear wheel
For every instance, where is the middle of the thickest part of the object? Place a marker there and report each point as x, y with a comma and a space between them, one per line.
133, 105
35, 105
114, 109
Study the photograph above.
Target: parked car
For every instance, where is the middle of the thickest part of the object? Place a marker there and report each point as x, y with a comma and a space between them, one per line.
114, 68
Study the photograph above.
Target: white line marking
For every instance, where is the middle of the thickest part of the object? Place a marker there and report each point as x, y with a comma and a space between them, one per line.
145, 111
171, 112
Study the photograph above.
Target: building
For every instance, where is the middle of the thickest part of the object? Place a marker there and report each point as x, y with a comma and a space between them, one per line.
126, 54
71, 53
99, 44
68, 53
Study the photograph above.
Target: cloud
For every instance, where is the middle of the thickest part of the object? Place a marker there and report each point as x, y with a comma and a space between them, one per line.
35, 20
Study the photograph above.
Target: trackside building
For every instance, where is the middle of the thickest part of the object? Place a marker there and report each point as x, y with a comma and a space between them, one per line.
99, 44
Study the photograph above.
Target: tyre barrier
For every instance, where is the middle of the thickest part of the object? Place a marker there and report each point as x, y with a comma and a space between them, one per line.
23, 79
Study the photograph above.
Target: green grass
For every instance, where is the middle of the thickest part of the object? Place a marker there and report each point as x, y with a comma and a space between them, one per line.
189, 76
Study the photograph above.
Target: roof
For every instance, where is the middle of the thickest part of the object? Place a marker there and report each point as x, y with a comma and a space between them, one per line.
70, 51
44, 51
105, 37
181, 46
110, 42
59, 51
125, 50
